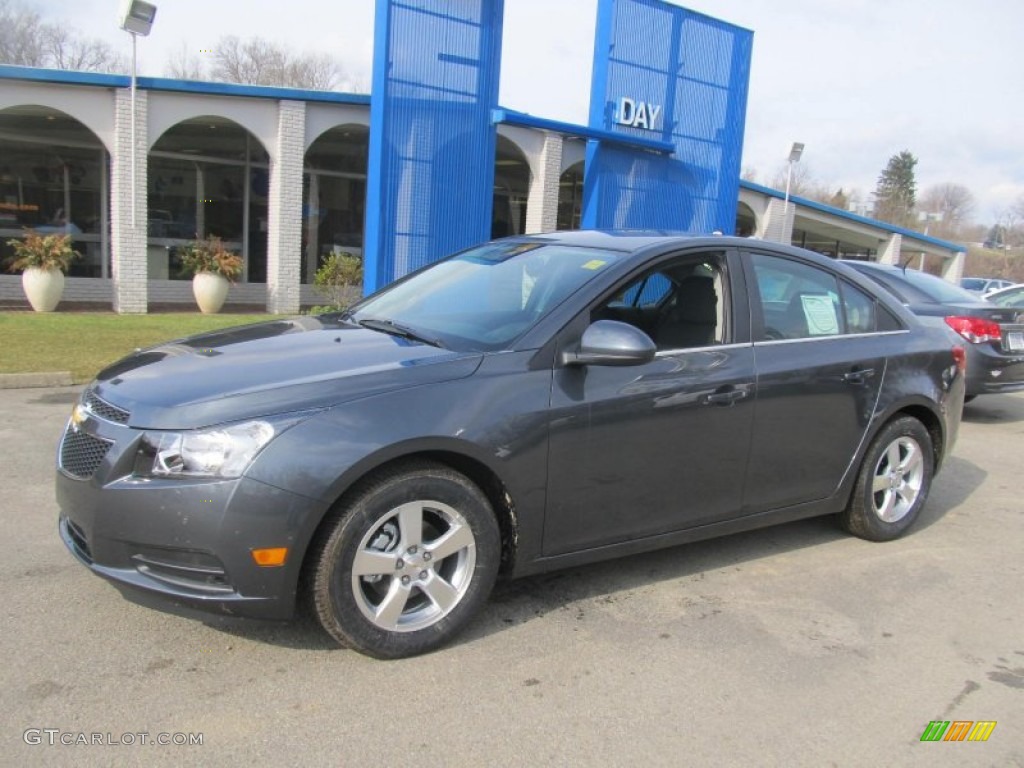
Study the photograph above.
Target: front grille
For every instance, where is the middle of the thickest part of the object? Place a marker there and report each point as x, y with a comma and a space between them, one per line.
105, 410
81, 454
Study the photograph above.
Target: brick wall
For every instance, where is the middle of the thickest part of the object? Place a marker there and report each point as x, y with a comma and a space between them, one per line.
542, 204
284, 226
128, 235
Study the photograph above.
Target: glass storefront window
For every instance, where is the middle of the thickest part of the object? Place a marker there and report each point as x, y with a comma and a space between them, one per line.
334, 195
53, 179
207, 176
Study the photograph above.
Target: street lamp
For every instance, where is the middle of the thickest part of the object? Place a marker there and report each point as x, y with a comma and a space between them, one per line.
136, 18
927, 217
794, 157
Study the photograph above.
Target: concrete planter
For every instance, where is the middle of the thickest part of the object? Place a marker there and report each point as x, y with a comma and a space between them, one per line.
43, 288
210, 291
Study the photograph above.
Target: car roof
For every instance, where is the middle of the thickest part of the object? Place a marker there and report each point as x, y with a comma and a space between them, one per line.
621, 239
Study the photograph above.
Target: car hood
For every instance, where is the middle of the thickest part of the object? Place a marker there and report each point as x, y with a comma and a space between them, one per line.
268, 368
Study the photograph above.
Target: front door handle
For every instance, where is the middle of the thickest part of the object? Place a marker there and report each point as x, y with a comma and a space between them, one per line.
724, 397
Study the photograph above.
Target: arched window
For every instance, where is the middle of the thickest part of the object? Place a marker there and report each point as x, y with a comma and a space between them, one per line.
208, 176
53, 178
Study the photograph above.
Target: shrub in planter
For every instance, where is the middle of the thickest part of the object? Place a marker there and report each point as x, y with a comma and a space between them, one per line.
335, 280
42, 260
214, 268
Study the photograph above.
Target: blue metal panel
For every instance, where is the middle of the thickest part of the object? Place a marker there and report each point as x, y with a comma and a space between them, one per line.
685, 77
431, 156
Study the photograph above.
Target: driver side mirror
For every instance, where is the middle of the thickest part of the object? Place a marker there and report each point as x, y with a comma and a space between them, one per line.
609, 342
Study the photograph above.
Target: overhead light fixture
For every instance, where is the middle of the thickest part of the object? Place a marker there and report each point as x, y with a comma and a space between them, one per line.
794, 157
137, 16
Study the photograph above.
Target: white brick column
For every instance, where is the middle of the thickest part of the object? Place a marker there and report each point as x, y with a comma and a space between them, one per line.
953, 267
284, 225
128, 241
542, 202
890, 252
777, 222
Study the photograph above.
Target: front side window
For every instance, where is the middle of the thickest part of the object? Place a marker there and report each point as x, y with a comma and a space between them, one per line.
680, 305
486, 297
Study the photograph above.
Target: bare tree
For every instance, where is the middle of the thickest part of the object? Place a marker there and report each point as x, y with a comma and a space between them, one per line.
1018, 207
801, 183
20, 36
260, 62
185, 65
67, 51
29, 41
953, 202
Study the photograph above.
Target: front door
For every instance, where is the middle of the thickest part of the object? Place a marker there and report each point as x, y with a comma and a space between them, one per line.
655, 448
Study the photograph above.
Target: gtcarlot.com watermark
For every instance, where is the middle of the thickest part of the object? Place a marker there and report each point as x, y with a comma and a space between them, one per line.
54, 737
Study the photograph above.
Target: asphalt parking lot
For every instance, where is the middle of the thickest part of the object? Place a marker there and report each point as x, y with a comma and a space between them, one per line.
791, 646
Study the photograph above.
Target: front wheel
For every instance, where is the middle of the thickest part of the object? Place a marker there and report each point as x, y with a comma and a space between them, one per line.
893, 482
407, 563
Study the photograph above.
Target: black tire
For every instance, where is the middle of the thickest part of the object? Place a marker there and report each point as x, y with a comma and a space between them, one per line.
428, 546
893, 482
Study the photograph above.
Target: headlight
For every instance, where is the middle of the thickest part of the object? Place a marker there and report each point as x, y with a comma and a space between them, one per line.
217, 452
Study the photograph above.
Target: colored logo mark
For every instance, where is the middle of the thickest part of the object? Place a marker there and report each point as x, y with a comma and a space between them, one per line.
958, 730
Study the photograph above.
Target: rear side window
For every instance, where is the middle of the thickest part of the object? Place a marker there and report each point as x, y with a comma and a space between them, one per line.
802, 301
859, 309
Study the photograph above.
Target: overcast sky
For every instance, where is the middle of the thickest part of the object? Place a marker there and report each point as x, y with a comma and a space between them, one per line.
855, 80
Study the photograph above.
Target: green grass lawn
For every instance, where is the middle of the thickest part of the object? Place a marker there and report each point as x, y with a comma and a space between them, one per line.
84, 342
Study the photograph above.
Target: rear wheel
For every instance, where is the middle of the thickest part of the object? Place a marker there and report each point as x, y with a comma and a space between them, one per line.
893, 482
407, 563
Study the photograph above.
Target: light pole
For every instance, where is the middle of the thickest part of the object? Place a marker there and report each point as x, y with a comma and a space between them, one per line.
794, 157
136, 18
927, 218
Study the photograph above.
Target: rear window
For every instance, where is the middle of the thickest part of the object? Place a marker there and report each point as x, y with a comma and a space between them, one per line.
914, 287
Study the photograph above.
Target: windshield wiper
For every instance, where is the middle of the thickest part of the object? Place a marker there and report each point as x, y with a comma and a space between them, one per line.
397, 329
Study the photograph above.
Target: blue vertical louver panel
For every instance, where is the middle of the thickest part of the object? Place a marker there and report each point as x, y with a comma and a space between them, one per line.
668, 73
431, 156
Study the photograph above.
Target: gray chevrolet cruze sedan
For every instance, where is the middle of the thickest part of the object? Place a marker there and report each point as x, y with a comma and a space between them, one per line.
529, 404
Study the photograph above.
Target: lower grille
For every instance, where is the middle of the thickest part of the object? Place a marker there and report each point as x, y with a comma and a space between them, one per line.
81, 453
78, 538
191, 570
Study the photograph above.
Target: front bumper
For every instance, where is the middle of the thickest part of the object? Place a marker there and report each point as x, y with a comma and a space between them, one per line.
187, 543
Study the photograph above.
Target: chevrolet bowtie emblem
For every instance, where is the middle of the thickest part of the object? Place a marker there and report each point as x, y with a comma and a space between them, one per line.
78, 415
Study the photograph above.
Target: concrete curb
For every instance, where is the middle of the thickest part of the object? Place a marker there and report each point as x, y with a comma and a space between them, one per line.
31, 380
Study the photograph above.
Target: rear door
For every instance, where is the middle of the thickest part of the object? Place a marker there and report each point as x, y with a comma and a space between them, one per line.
820, 368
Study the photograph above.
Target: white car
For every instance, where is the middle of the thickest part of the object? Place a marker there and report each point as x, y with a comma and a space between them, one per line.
983, 285
1012, 296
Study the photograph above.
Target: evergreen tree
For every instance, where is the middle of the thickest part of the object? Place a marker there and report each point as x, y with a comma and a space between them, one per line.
895, 194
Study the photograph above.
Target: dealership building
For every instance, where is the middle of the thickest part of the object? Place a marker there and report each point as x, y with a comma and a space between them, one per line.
426, 165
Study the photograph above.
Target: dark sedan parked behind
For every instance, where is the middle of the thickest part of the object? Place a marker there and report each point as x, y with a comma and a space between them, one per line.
994, 334
529, 404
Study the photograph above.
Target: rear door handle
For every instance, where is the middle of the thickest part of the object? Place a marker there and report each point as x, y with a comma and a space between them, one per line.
858, 377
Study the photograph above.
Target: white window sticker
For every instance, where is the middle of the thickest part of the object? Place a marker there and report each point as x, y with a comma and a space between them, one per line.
821, 315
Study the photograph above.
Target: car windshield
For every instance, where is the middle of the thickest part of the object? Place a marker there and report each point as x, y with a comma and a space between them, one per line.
973, 283
484, 298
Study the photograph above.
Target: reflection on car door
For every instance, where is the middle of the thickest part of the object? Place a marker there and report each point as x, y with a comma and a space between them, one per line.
643, 450
820, 366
